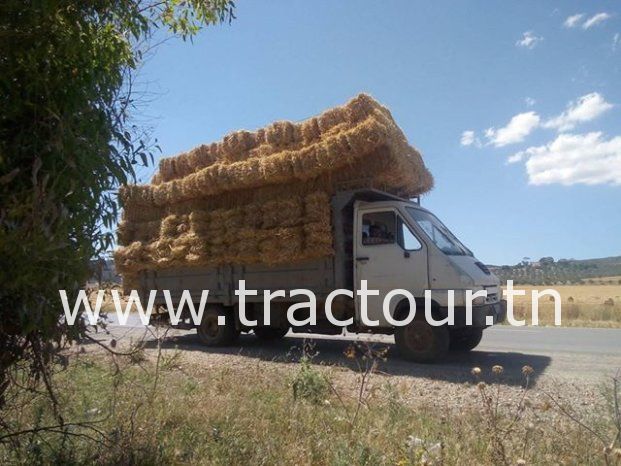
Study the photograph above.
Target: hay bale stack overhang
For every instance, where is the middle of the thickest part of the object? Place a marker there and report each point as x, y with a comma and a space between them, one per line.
263, 196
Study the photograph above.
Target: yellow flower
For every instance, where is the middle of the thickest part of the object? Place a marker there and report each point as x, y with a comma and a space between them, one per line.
350, 352
476, 371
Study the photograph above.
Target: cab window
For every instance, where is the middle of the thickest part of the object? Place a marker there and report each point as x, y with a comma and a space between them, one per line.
406, 238
379, 228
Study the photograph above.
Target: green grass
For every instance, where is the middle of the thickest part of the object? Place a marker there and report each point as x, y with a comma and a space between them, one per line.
273, 415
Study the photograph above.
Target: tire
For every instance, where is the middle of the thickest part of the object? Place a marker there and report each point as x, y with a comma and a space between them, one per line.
465, 339
270, 333
212, 334
421, 342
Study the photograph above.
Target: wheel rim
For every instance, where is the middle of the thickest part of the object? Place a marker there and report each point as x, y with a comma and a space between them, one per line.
419, 337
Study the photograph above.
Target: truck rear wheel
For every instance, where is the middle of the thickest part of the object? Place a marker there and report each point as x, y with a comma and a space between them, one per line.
270, 333
465, 339
421, 342
212, 334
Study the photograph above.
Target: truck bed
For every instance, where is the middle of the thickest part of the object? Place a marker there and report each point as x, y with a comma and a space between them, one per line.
317, 275
321, 276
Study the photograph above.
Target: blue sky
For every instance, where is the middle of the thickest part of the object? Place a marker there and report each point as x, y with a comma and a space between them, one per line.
515, 106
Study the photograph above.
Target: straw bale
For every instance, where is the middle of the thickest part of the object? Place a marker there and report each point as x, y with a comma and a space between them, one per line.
128, 232
317, 207
281, 245
318, 239
131, 258
331, 118
264, 196
125, 233
173, 225
233, 219
252, 216
179, 251
245, 248
361, 129
310, 130
215, 239
142, 214
282, 212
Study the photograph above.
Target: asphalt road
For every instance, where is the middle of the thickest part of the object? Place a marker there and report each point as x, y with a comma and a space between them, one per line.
559, 353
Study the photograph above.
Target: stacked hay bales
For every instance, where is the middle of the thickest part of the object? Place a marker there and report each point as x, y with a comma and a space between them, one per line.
264, 196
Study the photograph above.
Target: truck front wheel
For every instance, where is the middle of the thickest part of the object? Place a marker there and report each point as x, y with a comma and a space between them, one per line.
421, 342
211, 333
465, 339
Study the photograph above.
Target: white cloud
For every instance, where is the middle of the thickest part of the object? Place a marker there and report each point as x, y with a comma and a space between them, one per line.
467, 138
529, 40
616, 41
573, 20
520, 126
516, 157
595, 20
574, 159
586, 108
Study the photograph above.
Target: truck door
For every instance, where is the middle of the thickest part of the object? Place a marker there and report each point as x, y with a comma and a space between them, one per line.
389, 256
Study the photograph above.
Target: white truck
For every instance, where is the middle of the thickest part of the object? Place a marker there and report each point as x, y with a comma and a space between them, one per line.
390, 242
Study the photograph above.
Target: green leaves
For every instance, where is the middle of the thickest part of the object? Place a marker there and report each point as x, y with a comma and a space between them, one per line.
67, 143
186, 17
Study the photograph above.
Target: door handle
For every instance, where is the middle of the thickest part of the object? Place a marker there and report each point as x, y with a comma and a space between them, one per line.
362, 258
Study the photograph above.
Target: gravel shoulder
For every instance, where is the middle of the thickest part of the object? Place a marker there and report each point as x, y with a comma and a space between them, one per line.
565, 369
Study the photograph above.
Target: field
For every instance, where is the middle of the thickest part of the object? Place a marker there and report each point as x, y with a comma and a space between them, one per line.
589, 305
167, 408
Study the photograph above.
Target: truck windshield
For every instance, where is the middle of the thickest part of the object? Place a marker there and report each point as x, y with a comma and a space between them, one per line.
438, 233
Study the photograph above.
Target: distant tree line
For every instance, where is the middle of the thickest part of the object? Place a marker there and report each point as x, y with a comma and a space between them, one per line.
547, 271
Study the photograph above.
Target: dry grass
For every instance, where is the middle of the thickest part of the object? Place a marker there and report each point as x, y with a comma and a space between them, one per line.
612, 280
582, 305
184, 414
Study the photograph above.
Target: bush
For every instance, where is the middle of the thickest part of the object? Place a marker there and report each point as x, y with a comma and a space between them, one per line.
66, 144
309, 384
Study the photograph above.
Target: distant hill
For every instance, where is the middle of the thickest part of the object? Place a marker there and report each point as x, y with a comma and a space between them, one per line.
547, 271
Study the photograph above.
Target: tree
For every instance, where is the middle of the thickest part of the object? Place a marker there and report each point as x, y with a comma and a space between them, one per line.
66, 143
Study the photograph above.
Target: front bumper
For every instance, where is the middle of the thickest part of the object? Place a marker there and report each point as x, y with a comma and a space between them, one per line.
497, 313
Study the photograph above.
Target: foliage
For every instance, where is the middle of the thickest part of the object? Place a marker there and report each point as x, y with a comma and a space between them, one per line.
561, 272
66, 143
309, 384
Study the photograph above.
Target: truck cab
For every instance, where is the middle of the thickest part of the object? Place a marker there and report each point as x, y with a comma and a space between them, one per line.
399, 245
